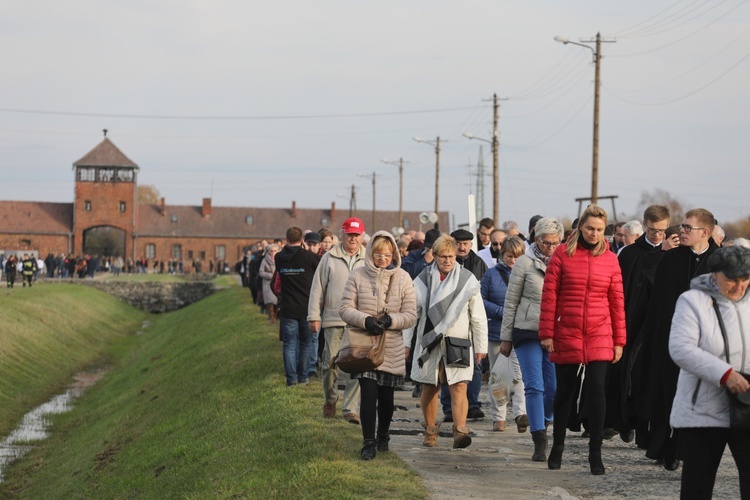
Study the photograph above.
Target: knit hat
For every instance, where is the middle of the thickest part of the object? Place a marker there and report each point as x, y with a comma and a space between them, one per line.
352, 225
733, 262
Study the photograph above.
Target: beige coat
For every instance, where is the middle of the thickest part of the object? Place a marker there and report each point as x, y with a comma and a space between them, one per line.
524, 296
365, 295
328, 285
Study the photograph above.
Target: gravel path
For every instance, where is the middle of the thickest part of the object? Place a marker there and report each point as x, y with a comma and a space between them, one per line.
498, 464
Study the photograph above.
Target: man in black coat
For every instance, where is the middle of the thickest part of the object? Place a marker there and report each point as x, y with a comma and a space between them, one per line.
675, 270
296, 266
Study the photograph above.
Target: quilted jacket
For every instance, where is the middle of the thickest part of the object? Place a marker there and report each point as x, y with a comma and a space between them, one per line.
583, 308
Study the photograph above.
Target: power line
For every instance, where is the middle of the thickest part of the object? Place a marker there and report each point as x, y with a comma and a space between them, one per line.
260, 117
625, 30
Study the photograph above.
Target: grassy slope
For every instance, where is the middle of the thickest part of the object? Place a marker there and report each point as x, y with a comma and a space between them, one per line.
199, 408
49, 333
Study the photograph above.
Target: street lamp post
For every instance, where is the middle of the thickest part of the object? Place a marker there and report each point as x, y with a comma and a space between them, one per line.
435, 143
597, 52
400, 164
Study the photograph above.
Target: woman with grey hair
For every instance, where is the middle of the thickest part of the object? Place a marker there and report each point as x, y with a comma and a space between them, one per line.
520, 330
708, 340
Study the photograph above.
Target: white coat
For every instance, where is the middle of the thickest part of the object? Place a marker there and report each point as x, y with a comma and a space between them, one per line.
696, 345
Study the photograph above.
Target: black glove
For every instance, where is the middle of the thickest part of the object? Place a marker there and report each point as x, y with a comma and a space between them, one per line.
385, 321
372, 326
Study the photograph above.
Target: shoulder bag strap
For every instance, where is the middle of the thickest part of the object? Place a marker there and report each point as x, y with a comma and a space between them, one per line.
722, 327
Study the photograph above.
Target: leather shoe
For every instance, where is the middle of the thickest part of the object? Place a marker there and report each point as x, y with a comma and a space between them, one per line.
352, 418
475, 413
522, 423
671, 464
627, 435
498, 425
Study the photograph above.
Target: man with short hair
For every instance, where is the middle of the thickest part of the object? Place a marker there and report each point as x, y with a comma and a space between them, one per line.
674, 272
296, 266
631, 231
491, 254
28, 268
486, 226
323, 311
617, 238
718, 235
511, 228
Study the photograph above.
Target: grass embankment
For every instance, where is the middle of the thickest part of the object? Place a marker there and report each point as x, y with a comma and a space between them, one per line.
199, 409
49, 333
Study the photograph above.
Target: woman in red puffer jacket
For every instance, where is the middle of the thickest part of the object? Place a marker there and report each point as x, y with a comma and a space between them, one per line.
582, 322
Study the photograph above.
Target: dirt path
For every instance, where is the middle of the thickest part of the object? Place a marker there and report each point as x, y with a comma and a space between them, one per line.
498, 464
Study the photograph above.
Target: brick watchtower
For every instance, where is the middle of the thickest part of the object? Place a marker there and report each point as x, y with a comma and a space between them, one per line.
105, 194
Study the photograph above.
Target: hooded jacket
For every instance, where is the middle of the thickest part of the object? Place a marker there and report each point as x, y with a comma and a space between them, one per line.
696, 345
365, 294
583, 309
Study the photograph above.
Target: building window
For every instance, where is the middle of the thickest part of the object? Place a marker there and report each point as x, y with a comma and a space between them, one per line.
106, 175
25, 243
324, 222
150, 251
190, 255
175, 218
203, 255
87, 206
221, 252
124, 175
86, 174
406, 223
176, 251
249, 220
123, 206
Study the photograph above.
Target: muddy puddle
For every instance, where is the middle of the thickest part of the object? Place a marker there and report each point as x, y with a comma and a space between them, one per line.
34, 426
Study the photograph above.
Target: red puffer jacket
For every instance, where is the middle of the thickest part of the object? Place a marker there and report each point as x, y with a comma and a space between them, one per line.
583, 309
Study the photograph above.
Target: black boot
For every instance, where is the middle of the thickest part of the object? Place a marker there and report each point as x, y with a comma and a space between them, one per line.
540, 445
595, 457
554, 461
382, 441
368, 449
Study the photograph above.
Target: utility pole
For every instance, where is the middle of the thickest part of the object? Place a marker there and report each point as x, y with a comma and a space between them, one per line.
353, 201
373, 197
495, 172
400, 164
597, 52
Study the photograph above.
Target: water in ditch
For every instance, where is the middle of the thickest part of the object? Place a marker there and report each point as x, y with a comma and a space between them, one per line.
34, 426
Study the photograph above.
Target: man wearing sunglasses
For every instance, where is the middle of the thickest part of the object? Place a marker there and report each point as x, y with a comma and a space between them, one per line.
491, 253
675, 270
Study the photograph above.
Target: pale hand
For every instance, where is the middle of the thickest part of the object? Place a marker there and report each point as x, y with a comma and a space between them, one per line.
736, 383
314, 326
618, 354
670, 243
406, 353
548, 345
479, 356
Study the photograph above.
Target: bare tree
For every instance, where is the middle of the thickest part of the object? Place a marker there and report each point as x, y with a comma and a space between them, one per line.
661, 197
148, 194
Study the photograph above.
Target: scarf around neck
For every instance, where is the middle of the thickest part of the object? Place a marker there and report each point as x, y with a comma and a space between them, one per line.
443, 302
538, 253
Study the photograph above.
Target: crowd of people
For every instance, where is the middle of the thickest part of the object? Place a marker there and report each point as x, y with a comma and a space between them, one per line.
607, 328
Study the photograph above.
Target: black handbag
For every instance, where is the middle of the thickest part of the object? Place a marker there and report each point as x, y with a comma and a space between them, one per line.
457, 351
739, 404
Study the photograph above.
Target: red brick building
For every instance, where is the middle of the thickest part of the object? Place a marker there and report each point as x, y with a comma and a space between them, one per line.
105, 198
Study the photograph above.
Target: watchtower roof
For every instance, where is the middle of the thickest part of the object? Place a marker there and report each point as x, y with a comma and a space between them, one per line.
105, 154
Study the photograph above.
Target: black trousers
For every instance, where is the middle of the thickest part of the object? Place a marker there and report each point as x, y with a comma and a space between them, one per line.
596, 402
375, 399
701, 449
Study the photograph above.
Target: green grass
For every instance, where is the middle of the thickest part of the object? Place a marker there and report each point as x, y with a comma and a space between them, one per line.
197, 407
49, 333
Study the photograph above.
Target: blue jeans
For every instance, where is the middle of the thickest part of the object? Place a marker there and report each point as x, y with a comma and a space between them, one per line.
472, 391
313, 361
540, 382
297, 339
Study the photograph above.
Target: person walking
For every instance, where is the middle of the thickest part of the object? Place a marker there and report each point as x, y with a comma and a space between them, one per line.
379, 299
266, 273
520, 331
449, 307
582, 324
708, 341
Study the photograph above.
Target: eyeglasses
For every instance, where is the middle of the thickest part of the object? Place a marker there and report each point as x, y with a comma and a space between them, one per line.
446, 257
549, 244
687, 227
382, 255
620, 234
496, 243
653, 230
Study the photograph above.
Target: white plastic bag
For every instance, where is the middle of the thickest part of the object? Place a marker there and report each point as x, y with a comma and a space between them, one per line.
502, 382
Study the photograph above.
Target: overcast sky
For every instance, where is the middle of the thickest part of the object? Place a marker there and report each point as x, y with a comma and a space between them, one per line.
261, 103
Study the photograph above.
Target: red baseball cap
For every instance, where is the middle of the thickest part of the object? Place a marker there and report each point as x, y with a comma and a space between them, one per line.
352, 225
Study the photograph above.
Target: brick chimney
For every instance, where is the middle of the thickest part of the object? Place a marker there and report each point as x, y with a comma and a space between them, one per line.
206, 207
294, 210
163, 208
333, 210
